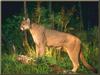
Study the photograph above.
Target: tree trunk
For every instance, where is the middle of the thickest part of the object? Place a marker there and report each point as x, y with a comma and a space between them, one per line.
25, 41
51, 15
26, 16
81, 18
39, 13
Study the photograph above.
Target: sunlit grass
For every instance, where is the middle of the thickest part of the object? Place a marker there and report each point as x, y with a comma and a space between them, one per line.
11, 66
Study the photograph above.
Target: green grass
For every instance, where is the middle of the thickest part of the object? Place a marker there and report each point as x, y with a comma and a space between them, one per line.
11, 66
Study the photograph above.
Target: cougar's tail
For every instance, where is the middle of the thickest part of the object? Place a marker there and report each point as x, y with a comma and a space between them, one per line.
86, 64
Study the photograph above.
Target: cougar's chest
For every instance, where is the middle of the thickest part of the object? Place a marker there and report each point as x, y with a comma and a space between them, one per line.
36, 40
35, 36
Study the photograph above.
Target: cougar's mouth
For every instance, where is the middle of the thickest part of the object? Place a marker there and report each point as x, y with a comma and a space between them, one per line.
22, 28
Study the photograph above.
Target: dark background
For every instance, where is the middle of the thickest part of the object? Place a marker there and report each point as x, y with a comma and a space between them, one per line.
15, 42
89, 9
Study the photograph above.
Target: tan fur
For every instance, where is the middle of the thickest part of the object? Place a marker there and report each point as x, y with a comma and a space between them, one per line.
44, 37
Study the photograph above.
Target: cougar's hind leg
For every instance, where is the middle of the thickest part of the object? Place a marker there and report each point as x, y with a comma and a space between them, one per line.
73, 53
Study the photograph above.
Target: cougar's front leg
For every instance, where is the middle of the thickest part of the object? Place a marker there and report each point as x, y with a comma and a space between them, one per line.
40, 44
41, 50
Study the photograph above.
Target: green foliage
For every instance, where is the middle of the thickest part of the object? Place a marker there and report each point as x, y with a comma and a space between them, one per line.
11, 34
12, 42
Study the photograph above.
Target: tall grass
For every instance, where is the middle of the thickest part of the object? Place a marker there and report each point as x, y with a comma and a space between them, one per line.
11, 66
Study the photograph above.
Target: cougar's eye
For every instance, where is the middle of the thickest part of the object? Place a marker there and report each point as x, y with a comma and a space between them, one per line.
23, 24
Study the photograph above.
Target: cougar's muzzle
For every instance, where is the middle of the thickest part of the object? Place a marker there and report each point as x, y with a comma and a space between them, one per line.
25, 27
22, 28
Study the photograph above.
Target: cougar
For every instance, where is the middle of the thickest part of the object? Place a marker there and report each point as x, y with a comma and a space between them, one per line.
51, 38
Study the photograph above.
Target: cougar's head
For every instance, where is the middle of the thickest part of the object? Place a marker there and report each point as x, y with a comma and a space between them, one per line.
25, 24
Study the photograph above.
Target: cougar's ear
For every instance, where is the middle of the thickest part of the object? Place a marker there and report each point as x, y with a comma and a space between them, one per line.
28, 20
23, 18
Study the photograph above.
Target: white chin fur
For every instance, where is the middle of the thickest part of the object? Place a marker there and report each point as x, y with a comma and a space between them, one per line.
21, 28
